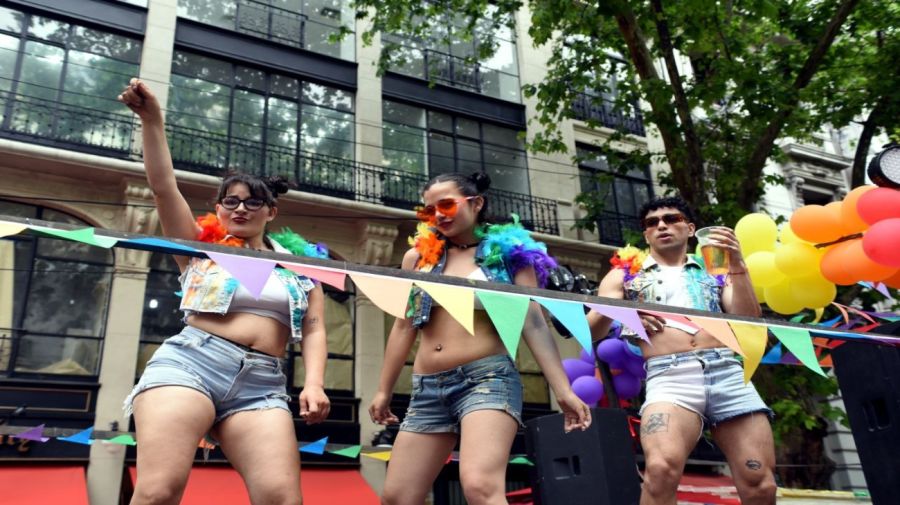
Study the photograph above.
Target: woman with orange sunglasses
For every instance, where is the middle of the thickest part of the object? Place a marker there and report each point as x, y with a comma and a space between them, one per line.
465, 386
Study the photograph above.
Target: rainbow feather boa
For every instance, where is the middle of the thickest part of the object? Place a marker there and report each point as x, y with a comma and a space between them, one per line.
211, 230
630, 259
510, 244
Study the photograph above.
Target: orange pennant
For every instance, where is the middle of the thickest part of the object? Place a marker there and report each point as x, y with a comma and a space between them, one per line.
719, 328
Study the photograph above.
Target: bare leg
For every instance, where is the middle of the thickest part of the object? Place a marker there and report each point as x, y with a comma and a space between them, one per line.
416, 460
487, 437
748, 444
262, 447
668, 434
170, 421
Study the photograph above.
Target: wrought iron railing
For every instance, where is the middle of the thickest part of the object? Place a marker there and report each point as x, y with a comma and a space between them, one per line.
452, 70
216, 154
270, 22
67, 125
587, 106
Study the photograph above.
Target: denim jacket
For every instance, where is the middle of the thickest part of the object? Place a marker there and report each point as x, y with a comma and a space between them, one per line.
421, 302
704, 290
207, 287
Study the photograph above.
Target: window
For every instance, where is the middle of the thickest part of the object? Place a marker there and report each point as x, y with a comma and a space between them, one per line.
452, 63
340, 328
161, 318
226, 116
621, 191
604, 105
308, 24
54, 297
59, 82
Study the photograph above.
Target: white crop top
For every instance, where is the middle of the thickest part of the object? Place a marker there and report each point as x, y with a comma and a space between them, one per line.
273, 302
477, 275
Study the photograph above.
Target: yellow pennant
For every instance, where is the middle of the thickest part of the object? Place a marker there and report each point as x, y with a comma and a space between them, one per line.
388, 294
753, 339
382, 455
458, 301
7, 229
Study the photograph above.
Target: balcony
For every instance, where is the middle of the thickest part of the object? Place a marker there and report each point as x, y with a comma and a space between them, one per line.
452, 70
270, 22
587, 106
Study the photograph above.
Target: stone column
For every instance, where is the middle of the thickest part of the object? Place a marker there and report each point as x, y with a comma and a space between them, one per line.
120, 348
375, 247
156, 55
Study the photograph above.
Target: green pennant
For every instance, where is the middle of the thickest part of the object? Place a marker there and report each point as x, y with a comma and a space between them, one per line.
521, 460
83, 235
122, 439
799, 342
350, 452
507, 312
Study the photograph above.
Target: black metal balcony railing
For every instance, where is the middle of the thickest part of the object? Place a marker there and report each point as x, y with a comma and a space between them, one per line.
587, 106
65, 125
452, 70
215, 154
270, 22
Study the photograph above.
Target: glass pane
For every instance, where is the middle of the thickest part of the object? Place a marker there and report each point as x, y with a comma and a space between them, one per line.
17, 209
11, 20
328, 132
41, 68
440, 121
404, 147
403, 114
48, 29
326, 96
505, 137
67, 298
58, 355
440, 154
213, 12
208, 69
507, 168
468, 128
625, 198
66, 249
105, 44
161, 317
145, 352
285, 86
250, 78
339, 326
469, 153
504, 59
15, 261
281, 137
9, 48
246, 131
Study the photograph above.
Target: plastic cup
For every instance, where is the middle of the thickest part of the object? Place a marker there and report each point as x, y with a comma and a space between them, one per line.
715, 258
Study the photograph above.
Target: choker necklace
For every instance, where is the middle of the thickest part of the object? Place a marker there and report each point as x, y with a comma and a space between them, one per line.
451, 243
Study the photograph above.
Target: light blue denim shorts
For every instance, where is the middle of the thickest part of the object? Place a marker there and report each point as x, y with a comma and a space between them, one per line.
709, 382
440, 400
234, 379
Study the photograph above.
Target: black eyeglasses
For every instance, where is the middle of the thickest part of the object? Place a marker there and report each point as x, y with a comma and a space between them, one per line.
233, 202
670, 219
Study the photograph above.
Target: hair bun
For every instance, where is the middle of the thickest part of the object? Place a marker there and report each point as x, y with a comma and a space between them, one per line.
277, 184
482, 181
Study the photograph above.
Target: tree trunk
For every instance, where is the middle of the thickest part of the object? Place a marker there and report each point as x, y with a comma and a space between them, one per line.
858, 172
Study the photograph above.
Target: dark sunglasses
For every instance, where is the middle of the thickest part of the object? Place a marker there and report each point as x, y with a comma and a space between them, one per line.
670, 219
446, 206
233, 202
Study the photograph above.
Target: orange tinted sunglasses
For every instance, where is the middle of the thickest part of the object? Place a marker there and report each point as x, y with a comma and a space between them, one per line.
446, 206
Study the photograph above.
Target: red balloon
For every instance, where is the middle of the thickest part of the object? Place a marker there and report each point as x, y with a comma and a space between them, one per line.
882, 242
878, 205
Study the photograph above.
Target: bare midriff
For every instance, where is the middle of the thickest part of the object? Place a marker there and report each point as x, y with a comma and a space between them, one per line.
672, 340
445, 344
258, 332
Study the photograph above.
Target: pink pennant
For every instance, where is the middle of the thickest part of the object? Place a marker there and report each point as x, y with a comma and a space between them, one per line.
881, 288
678, 318
35, 434
334, 278
624, 315
252, 273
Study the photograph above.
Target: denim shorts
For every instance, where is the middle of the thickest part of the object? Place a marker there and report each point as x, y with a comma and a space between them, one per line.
440, 400
232, 378
709, 382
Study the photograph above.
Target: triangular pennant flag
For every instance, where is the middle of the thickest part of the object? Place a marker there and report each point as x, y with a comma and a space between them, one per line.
507, 312
317, 447
35, 434
628, 317
334, 278
571, 315
387, 293
252, 273
752, 338
83, 235
799, 342
773, 357
459, 302
719, 328
82, 437
826, 361
349, 452
520, 460
380, 455
819, 313
882, 288
678, 318
789, 359
158, 244
204, 444
125, 439
7, 229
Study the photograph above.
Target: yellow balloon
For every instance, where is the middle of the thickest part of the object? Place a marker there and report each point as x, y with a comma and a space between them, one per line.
756, 232
781, 299
813, 291
786, 236
763, 272
760, 293
797, 259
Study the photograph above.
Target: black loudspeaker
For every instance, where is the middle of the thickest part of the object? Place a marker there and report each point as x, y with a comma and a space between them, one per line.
591, 467
869, 378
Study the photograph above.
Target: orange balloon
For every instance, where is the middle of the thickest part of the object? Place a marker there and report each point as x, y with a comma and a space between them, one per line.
833, 263
859, 266
850, 219
817, 224
893, 281
836, 209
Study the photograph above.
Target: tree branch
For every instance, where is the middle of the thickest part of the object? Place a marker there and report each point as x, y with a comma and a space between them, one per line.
870, 126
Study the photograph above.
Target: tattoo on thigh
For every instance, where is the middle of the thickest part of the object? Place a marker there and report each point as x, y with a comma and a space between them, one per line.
655, 423
753, 464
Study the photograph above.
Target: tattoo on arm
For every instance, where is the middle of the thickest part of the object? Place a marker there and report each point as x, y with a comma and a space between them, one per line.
655, 423
312, 321
753, 464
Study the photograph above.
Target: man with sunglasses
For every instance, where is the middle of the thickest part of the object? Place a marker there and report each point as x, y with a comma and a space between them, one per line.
693, 380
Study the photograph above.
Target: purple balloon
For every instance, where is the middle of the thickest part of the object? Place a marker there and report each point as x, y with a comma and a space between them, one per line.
626, 385
635, 368
613, 352
615, 330
576, 368
587, 357
589, 389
